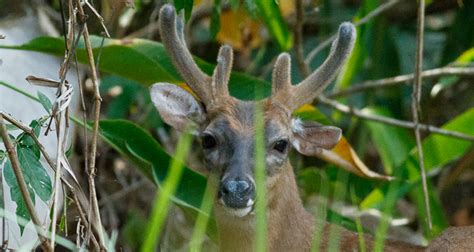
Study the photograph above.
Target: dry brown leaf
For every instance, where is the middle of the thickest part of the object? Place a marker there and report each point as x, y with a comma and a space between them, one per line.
239, 30
345, 157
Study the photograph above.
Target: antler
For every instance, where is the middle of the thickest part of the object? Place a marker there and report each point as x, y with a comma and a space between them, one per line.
292, 97
209, 90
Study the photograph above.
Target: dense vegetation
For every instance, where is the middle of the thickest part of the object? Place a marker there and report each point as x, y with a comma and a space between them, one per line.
370, 100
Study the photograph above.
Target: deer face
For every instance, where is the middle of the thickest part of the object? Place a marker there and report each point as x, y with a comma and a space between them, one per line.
225, 125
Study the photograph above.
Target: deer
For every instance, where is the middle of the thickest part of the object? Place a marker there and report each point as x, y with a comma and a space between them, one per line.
225, 128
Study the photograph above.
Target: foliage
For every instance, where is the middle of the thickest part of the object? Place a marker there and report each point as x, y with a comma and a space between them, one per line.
384, 48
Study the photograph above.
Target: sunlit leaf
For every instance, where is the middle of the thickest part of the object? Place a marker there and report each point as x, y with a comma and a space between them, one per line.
276, 25
345, 157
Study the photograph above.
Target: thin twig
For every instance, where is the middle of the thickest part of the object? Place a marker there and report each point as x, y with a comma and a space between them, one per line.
298, 35
415, 104
101, 19
379, 10
403, 79
391, 121
97, 104
22, 185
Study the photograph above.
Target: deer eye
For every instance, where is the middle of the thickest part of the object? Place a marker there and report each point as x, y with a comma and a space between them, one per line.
208, 141
280, 145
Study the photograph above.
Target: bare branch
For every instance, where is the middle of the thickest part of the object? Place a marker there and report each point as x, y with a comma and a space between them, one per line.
415, 104
382, 8
22, 185
298, 42
403, 79
94, 207
390, 121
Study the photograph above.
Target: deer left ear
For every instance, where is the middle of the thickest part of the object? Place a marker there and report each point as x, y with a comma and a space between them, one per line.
309, 138
177, 107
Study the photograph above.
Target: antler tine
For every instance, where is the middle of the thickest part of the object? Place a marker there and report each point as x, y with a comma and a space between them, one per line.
220, 78
173, 40
281, 76
314, 84
281, 79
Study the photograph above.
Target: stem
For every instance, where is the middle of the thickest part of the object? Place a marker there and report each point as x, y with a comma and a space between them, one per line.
22, 185
94, 206
415, 105
391, 121
402, 79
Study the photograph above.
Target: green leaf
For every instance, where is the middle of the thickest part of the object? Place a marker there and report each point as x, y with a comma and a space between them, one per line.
144, 61
24, 139
446, 81
215, 18
15, 193
187, 5
361, 46
140, 147
34, 172
44, 100
274, 21
393, 143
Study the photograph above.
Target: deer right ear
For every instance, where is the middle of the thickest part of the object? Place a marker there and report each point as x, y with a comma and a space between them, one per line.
177, 107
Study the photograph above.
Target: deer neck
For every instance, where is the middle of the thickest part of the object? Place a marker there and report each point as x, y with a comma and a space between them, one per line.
290, 227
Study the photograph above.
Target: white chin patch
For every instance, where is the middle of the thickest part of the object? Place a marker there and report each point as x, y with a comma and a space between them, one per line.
240, 212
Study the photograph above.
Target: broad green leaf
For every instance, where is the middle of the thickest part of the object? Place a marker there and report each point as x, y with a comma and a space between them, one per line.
144, 61
44, 100
138, 145
438, 151
34, 172
271, 15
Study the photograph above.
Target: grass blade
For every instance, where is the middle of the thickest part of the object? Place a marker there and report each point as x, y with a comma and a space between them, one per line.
163, 197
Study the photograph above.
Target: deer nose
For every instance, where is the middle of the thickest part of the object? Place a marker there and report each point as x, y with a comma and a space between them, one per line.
236, 193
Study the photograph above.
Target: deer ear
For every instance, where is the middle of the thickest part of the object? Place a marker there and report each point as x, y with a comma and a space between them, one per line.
309, 138
177, 107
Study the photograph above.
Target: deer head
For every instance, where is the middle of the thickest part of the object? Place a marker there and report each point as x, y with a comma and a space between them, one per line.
225, 125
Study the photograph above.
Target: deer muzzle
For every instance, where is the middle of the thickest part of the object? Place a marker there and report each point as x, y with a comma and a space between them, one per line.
237, 195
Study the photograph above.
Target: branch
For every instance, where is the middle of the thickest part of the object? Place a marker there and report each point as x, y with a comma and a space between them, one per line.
22, 185
298, 35
415, 104
95, 129
390, 121
403, 79
382, 8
